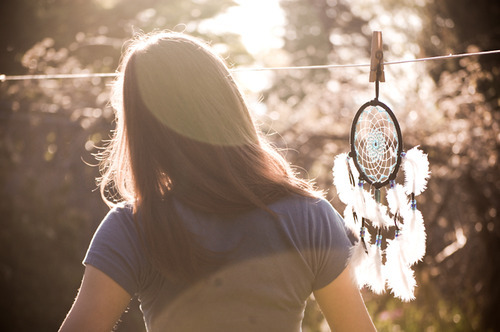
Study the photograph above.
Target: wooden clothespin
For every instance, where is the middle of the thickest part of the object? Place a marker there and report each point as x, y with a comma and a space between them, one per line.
377, 58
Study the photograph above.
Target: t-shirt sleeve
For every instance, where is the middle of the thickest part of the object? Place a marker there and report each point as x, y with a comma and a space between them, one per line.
115, 249
331, 242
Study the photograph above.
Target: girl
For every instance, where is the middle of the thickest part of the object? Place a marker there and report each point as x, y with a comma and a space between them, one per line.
210, 227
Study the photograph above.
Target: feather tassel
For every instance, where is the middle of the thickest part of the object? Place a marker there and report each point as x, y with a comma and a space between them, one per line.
360, 203
416, 169
341, 179
350, 222
376, 282
397, 199
376, 212
366, 207
407, 248
360, 262
400, 278
413, 231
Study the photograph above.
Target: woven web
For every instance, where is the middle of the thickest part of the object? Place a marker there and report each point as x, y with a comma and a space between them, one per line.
376, 143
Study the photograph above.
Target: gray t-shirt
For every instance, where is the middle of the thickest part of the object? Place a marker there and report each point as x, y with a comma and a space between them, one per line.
273, 266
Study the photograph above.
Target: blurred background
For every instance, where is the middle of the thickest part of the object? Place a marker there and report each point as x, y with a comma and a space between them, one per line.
49, 129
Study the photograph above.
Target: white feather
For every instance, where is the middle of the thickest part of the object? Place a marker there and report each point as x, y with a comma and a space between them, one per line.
376, 212
360, 202
359, 261
381, 217
341, 179
416, 169
414, 237
376, 281
350, 222
353, 168
397, 199
400, 278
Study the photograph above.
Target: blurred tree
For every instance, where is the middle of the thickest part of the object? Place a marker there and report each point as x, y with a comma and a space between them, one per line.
449, 107
467, 150
25, 22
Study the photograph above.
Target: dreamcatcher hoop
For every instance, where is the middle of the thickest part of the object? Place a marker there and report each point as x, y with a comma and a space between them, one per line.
376, 143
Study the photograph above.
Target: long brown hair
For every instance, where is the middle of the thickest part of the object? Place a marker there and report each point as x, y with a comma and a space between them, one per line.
184, 133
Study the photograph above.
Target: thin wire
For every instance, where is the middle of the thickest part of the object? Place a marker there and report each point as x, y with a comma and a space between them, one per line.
53, 76
236, 70
4, 78
442, 57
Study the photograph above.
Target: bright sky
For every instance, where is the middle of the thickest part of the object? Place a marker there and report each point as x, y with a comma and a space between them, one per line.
259, 22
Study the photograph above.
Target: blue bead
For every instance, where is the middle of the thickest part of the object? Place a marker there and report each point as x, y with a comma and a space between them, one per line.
362, 232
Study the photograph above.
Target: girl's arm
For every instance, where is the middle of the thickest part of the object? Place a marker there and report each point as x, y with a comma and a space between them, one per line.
98, 305
342, 305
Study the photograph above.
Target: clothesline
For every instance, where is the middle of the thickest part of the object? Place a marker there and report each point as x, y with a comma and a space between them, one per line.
4, 78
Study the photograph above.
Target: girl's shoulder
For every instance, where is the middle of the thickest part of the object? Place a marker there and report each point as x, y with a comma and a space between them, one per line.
303, 205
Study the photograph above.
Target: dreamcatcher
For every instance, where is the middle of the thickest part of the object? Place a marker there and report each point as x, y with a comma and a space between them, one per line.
373, 163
